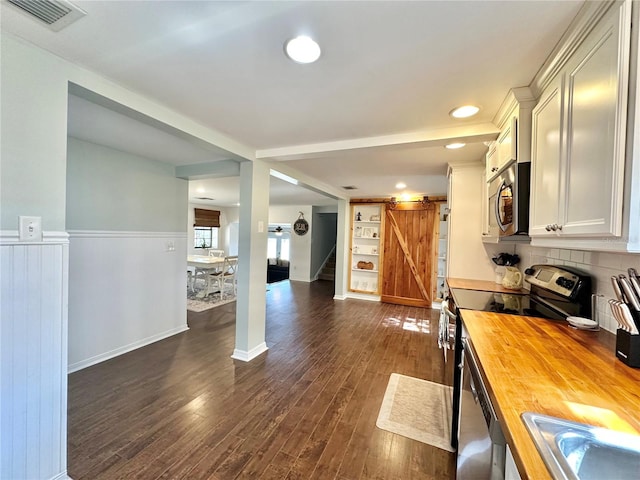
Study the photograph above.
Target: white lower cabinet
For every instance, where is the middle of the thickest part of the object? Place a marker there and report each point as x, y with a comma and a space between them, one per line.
510, 469
578, 138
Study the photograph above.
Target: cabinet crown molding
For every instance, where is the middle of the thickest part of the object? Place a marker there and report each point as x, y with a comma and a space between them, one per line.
588, 17
517, 97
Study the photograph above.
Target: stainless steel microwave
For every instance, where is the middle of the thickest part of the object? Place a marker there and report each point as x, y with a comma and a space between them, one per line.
509, 201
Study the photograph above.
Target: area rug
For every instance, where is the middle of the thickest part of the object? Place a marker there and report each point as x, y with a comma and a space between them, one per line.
417, 409
195, 304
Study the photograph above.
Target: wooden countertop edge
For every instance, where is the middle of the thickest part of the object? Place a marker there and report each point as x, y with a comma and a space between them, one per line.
484, 285
535, 368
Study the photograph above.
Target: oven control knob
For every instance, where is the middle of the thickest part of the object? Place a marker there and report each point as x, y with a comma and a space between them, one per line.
565, 283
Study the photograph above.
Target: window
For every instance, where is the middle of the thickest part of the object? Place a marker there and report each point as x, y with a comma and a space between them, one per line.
278, 246
205, 237
205, 228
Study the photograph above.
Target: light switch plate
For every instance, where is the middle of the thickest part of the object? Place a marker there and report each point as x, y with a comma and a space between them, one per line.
30, 229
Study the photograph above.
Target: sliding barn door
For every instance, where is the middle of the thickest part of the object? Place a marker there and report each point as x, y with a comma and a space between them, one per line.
410, 245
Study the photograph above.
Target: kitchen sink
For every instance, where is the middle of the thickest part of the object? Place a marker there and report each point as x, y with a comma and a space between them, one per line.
576, 451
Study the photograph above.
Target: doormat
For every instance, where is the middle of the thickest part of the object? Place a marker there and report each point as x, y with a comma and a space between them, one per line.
417, 409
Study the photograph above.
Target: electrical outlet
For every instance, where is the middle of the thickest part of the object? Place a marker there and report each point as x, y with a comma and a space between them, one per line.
30, 229
171, 246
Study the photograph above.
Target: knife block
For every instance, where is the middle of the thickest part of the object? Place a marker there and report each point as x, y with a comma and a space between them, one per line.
628, 348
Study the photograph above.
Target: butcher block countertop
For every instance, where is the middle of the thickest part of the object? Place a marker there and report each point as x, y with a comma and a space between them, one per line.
483, 285
548, 367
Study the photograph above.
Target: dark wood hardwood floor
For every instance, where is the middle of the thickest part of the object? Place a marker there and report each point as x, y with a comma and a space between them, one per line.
306, 409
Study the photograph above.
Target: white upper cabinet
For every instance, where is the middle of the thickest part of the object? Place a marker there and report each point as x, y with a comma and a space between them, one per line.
578, 138
507, 141
547, 126
514, 141
595, 134
492, 161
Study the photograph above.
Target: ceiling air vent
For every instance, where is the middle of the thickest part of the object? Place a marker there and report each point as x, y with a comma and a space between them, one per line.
350, 187
56, 14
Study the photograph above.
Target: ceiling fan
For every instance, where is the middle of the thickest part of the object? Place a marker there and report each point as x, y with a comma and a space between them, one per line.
278, 230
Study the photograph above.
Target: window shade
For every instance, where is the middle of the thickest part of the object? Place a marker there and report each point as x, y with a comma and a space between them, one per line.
206, 218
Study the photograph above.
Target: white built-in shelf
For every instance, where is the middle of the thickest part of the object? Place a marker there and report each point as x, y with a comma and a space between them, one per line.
365, 240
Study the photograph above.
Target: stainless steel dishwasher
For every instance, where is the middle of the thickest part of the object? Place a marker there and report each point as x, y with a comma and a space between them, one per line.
481, 443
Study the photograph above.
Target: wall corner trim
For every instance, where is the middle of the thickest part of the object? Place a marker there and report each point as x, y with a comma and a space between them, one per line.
61, 476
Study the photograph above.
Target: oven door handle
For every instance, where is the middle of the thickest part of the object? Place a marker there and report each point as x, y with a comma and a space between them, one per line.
448, 312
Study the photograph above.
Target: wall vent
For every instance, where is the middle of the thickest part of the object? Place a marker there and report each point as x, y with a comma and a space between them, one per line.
56, 14
204, 198
350, 187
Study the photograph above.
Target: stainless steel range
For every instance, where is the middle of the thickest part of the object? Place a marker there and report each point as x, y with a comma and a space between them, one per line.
557, 292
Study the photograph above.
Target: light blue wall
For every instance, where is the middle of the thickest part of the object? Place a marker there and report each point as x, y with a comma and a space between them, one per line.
112, 190
34, 134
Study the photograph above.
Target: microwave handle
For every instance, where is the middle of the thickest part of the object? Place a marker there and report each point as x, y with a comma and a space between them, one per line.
496, 206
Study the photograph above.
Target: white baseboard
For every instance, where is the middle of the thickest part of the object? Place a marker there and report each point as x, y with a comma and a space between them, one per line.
61, 476
363, 296
339, 297
251, 354
126, 348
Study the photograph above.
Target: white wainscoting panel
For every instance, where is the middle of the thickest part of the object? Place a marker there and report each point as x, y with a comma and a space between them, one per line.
33, 357
126, 290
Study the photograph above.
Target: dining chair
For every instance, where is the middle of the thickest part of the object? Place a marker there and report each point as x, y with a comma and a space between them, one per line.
216, 253
227, 276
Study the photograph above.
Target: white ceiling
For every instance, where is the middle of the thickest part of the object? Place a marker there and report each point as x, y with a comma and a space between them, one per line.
388, 69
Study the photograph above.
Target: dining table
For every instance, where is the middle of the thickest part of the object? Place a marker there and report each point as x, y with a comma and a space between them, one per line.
206, 264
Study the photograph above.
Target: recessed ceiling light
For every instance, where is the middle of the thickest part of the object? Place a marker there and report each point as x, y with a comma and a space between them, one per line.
302, 49
464, 111
401, 185
200, 190
453, 146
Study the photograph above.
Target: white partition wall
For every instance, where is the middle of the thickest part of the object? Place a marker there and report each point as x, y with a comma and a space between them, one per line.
33, 357
126, 291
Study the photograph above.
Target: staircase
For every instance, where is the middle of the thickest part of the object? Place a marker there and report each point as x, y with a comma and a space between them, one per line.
328, 271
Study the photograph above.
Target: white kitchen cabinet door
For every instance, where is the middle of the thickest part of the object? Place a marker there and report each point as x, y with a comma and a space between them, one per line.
596, 119
491, 161
546, 167
506, 143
